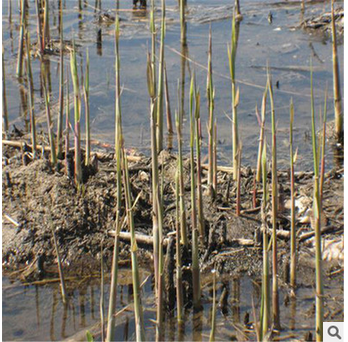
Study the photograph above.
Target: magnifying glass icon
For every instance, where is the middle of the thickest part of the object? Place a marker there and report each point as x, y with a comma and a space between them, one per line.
333, 332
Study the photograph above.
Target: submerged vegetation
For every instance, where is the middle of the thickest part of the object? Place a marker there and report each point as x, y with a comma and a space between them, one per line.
198, 193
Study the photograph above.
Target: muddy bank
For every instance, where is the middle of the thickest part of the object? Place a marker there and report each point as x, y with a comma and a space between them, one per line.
37, 197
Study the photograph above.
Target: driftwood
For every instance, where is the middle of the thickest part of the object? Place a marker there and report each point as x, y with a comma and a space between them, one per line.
148, 240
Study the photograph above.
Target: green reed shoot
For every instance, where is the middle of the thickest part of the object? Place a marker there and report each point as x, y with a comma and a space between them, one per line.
77, 115
67, 117
138, 309
293, 252
61, 96
60, 268
179, 288
153, 42
195, 256
19, 71
262, 134
336, 80
31, 96
88, 128
237, 8
4, 98
215, 157
110, 334
199, 165
160, 88
316, 214
265, 298
178, 123
213, 310
39, 27
210, 97
168, 111
275, 293
232, 51
48, 117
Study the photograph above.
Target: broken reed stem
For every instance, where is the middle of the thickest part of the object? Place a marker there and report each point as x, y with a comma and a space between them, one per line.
61, 95
323, 143
195, 256
77, 115
235, 95
101, 303
265, 298
213, 310
199, 165
293, 253
138, 309
316, 214
262, 133
178, 122
4, 98
275, 293
31, 96
67, 118
46, 26
39, 27
179, 288
210, 98
182, 21
60, 268
159, 112
19, 70
168, 111
336, 80
48, 117
88, 127
110, 333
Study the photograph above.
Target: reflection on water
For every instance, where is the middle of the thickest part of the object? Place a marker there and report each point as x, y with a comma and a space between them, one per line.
37, 312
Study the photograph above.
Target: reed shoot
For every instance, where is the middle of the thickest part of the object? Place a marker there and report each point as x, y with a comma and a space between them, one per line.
101, 304
323, 143
61, 95
336, 80
275, 294
138, 309
213, 310
293, 252
21, 40
67, 118
48, 118
232, 51
183, 21
77, 115
168, 111
4, 98
31, 97
317, 214
88, 128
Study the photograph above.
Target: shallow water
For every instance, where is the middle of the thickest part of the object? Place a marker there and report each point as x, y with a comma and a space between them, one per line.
37, 313
286, 49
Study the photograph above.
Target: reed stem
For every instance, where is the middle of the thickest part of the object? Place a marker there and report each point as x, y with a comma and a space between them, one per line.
336, 80
39, 27
183, 21
275, 293
31, 96
61, 95
88, 128
19, 71
168, 111
213, 310
4, 98
316, 214
293, 252
67, 119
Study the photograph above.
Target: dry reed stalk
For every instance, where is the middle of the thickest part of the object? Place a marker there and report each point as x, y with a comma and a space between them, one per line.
46, 25
67, 119
213, 315
61, 94
101, 303
39, 27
